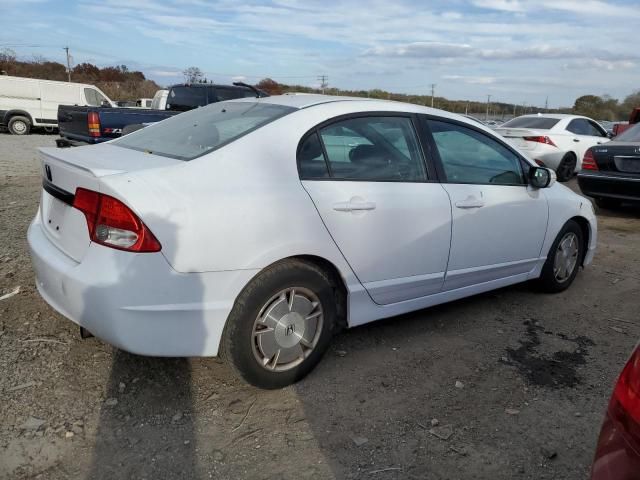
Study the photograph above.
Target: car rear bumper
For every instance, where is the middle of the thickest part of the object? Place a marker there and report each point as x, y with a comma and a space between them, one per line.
136, 302
615, 458
609, 185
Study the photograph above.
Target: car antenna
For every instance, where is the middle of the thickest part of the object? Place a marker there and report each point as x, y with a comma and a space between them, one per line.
242, 84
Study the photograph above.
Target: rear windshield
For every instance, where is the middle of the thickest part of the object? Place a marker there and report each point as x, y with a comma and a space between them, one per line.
541, 123
186, 98
228, 93
194, 133
630, 135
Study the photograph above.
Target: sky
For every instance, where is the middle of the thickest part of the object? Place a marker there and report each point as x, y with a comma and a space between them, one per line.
517, 51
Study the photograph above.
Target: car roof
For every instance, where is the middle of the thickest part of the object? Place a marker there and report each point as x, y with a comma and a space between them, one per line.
559, 116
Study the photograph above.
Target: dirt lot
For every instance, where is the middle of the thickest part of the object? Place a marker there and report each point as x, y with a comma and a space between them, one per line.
516, 381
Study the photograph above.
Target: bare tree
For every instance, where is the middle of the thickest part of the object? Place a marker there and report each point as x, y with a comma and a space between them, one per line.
192, 75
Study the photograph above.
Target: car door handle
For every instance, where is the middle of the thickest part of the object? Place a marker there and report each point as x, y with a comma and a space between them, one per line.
576, 139
353, 206
470, 202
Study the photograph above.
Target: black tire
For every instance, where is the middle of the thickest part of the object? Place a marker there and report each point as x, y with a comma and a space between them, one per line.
19, 125
567, 167
238, 343
548, 281
605, 202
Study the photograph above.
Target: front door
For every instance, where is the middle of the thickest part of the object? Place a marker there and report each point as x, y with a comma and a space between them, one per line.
499, 221
371, 188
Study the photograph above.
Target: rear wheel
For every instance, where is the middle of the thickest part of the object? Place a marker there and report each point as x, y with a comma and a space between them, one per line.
604, 202
281, 324
563, 260
19, 125
567, 167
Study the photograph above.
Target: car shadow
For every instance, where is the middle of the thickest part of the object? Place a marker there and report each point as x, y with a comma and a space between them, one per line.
146, 425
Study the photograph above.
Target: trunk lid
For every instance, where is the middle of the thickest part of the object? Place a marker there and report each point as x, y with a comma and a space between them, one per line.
72, 120
65, 170
618, 157
515, 136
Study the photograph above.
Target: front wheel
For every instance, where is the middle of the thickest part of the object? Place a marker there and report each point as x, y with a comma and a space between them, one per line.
567, 168
563, 260
281, 324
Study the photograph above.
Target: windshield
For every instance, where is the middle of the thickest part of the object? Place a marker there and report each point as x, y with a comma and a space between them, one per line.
630, 135
540, 123
192, 134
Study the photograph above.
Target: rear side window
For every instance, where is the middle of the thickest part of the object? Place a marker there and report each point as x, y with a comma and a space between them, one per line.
192, 134
468, 156
541, 123
228, 93
367, 149
630, 135
186, 98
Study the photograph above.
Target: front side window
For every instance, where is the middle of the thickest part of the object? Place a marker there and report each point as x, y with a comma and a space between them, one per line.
228, 93
596, 130
469, 156
192, 134
374, 149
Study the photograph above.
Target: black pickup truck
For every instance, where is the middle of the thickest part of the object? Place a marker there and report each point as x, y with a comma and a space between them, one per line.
89, 125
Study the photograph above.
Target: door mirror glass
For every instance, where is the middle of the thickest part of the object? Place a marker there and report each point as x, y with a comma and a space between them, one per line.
541, 177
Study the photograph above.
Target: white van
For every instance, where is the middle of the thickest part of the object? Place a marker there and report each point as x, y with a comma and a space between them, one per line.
159, 101
30, 102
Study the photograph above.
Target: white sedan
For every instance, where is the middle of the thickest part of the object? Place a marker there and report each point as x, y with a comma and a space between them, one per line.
257, 228
558, 141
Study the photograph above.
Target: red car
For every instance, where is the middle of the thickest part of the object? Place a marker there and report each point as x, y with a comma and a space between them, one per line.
618, 452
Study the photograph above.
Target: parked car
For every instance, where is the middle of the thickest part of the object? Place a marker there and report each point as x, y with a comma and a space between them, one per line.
611, 173
555, 140
159, 101
144, 102
618, 451
634, 117
257, 228
89, 125
30, 102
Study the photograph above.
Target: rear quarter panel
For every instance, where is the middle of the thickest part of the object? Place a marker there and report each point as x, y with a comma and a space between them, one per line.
241, 207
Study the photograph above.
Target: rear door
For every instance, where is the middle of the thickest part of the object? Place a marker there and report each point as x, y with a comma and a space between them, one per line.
371, 186
498, 221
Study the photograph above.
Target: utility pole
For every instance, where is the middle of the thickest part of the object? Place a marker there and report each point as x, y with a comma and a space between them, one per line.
66, 49
488, 100
324, 82
433, 88
514, 110
546, 104
466, 109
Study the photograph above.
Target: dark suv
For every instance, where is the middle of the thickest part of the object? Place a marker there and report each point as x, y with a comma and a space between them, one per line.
183, 97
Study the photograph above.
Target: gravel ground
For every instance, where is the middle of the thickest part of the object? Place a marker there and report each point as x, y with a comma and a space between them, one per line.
509, 384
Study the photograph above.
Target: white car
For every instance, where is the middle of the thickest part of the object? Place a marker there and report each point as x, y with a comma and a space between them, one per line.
556, 140
256, 228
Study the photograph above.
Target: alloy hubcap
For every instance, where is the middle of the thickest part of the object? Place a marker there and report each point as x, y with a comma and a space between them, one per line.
19, 127
287, 329
566, 258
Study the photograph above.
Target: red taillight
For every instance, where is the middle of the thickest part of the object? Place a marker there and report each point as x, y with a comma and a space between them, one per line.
540, 139
113, 224
93, 123
627, 391
589, 161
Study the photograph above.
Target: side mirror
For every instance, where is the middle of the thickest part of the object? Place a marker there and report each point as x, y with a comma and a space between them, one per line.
541, 177
610, 135
105, 103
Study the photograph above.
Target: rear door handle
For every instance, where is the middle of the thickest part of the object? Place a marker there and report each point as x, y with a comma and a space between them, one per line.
576, 139
353, 206
470, 202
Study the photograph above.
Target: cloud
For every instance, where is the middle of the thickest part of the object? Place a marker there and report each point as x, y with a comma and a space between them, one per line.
471, 80
579, 7
427, 50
